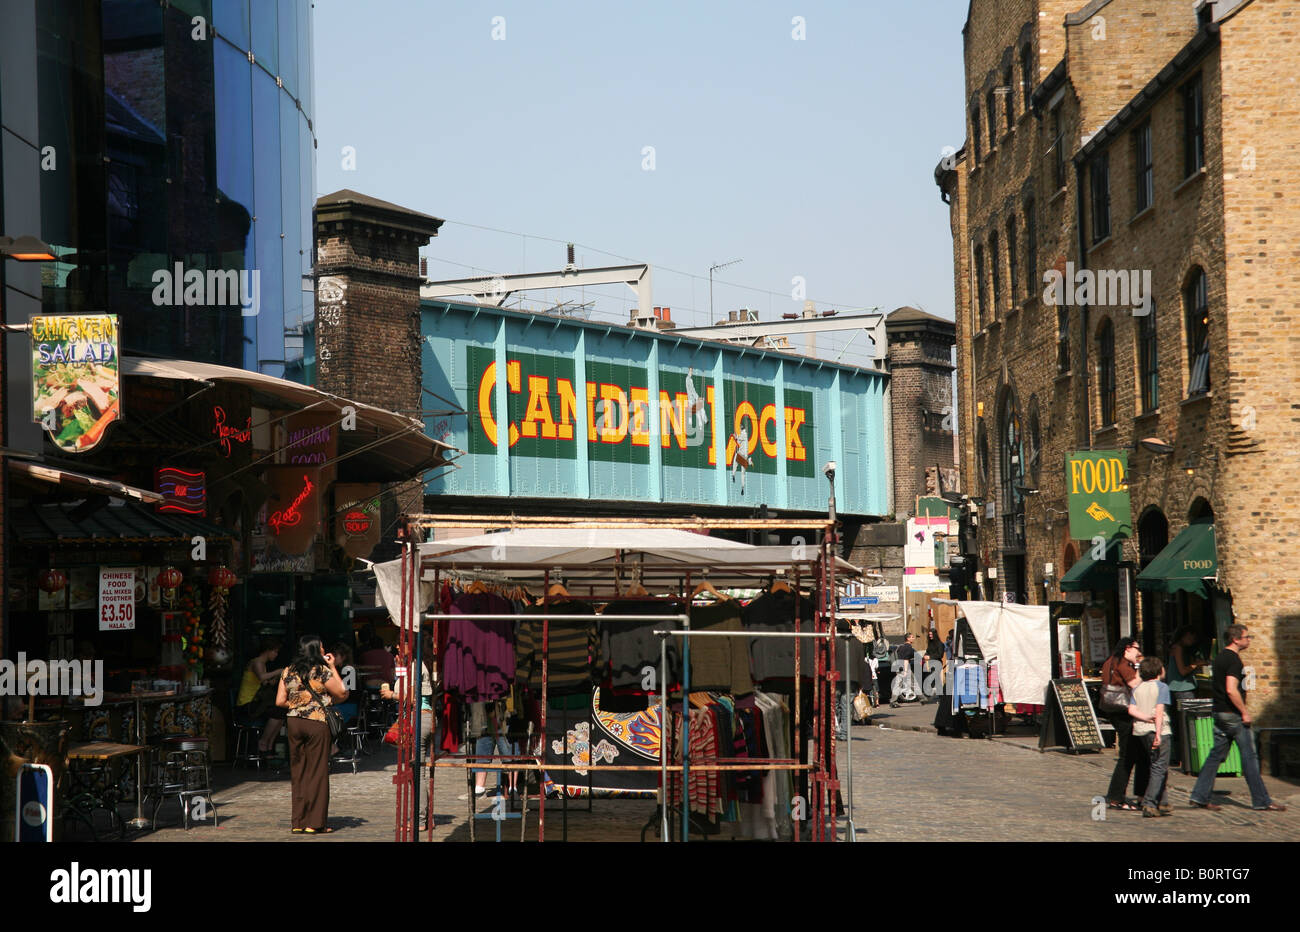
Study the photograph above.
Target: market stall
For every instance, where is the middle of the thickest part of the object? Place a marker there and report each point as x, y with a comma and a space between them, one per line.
663, 644
1001, 654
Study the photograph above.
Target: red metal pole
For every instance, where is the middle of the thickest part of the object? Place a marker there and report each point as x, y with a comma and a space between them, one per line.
541, 774
798, 671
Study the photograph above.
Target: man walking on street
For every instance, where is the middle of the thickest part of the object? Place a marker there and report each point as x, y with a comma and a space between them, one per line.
904, 684
1232, 722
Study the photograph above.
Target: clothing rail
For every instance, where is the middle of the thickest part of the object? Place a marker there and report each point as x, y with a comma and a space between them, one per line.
821, 573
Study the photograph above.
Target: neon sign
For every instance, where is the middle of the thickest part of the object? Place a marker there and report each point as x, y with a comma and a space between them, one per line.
292, 515
227, 434
182, 490
356, 522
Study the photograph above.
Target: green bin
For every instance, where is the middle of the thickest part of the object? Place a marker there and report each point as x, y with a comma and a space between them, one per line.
1203, 742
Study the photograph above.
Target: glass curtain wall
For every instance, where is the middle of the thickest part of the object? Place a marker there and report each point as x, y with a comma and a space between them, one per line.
181, 141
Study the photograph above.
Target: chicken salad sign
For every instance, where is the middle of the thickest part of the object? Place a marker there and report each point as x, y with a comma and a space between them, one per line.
76, 385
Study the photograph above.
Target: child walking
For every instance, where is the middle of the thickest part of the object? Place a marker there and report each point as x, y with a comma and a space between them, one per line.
1150, 707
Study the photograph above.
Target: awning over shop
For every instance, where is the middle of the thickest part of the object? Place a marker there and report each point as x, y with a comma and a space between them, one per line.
1102, 575
1185, 563
125, 523
80, 482
384, 447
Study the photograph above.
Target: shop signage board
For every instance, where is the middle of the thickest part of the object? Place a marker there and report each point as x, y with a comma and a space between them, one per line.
184, 491
567, 409
1094, 627
311, 439
1097, 485
292, 509
116, 598
1070, 703
357, 510
76, 387
883, 593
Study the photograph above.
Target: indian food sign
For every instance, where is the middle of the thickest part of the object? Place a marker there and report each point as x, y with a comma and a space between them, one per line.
76, 384
1097, 482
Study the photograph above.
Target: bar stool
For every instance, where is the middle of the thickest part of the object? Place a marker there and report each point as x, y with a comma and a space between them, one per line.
247, 733
352, 742
183, 770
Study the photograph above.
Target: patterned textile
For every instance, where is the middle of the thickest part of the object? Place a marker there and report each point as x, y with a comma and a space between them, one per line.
302, 704
605, 739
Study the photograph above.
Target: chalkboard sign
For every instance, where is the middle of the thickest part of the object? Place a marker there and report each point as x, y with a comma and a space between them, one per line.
1070, 705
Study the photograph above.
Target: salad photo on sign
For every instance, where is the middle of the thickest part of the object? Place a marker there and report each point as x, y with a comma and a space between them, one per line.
75, 378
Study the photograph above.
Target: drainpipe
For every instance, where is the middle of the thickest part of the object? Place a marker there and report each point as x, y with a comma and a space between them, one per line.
1083, 308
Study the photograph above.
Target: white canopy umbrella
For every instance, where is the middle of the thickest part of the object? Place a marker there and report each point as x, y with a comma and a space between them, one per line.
588, 555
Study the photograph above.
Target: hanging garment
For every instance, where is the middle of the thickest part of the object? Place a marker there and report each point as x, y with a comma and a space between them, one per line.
995, 688
719, 663
572, 649
628, 647
479, 662
969, 686
772, 658
603, 737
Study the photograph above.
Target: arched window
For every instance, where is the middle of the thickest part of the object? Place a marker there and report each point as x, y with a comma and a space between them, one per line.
1153, 535
1196, 314
1200, 510
1106, 371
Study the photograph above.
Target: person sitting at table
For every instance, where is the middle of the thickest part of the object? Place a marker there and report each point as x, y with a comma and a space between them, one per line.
256, 698
379, 659
343, 660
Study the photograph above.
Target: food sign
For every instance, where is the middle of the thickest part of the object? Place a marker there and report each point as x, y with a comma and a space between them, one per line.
116, 598
75, 379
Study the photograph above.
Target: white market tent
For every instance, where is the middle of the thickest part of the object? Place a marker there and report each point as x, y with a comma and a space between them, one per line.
1018, 637
589, 558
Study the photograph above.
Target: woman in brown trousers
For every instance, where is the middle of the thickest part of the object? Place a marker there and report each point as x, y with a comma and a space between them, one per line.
309, 684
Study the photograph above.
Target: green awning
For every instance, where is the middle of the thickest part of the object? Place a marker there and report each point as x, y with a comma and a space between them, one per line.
1095, 575
1185, 564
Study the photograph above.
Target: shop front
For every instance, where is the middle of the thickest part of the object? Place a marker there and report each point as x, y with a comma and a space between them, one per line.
195, 514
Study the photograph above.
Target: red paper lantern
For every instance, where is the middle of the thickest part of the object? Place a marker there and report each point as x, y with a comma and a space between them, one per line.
169, 578
220, 577
51, 580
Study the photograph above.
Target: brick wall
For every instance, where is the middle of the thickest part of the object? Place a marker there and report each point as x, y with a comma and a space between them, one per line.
1231, 221
368, 309
1258, 342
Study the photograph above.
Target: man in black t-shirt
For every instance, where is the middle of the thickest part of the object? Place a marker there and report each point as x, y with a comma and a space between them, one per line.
1232, 721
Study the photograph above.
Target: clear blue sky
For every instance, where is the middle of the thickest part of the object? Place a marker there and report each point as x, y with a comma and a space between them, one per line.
808, 158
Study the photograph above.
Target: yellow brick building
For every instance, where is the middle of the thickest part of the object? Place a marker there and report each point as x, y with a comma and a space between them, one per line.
1124, 220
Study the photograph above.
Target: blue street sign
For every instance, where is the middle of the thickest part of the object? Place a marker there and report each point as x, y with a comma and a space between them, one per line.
33, 819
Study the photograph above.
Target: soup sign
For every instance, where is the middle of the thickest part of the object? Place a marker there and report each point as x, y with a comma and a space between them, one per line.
1097, 482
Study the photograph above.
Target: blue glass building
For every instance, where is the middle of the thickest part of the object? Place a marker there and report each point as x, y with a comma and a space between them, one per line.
140, 137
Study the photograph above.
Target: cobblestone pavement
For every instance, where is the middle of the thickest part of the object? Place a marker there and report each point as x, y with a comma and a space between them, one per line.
909, 784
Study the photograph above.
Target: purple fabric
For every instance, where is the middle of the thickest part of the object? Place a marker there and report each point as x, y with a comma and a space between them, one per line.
480, 658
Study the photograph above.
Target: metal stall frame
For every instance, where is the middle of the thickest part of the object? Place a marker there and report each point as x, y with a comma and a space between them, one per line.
823, 783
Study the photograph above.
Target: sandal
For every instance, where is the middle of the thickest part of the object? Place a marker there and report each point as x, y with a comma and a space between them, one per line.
1123, 807
297, 831
319, 831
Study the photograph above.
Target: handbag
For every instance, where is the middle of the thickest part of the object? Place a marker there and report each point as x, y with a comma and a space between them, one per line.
332, 717
1114, 698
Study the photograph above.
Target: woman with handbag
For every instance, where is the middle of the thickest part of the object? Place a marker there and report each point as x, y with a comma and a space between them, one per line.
1119, 675
308, 688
